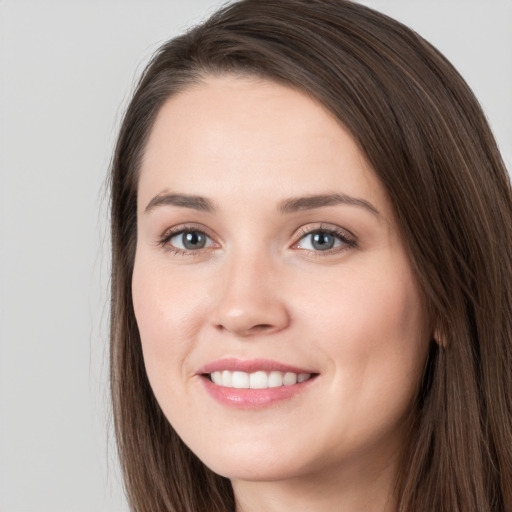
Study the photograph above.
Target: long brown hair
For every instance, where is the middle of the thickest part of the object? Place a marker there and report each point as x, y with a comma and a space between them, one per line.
428, 141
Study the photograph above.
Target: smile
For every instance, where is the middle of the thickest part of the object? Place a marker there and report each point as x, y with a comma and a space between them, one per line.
256, 383
258, 379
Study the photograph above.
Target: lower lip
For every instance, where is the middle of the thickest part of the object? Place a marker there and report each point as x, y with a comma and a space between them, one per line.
253, 398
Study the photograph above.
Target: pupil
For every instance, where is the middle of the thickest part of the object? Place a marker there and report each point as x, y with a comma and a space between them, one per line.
323, 241
193, 240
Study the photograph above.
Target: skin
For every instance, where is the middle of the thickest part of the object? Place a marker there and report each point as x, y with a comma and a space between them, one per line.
260, 289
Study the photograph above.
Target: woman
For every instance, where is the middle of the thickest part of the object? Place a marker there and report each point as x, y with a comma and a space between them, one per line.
311, 230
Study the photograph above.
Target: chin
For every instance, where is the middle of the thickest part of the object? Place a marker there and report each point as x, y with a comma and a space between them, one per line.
255, 471
253, 463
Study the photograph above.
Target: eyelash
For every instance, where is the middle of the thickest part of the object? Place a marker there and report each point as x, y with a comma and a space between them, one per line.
179, 230
348, 241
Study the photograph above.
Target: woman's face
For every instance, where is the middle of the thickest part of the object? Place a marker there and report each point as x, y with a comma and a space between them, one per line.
268, 259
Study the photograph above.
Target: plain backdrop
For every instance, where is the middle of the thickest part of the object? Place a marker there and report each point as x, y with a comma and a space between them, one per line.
66, 72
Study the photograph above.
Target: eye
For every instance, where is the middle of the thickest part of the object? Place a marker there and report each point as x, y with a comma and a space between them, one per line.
186, 241
189, 240
325, 240
319, 241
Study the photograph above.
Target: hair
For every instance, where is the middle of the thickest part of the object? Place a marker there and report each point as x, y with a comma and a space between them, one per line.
428, 141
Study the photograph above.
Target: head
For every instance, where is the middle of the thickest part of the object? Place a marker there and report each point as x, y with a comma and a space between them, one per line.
428, 149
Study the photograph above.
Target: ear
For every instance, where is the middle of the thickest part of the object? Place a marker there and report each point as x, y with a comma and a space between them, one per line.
439, 337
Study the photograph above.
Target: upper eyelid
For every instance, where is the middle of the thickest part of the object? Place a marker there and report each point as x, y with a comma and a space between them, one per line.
180, 228
322, 226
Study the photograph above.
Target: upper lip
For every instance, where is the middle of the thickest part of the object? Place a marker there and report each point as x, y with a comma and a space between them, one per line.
250, 366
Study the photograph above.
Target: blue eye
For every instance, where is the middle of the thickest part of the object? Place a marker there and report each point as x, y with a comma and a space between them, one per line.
322, 240
188, 240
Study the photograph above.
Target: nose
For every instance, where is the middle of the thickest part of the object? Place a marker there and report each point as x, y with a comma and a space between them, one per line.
250, 300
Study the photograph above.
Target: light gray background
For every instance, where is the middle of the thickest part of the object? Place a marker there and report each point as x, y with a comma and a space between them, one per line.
66, 72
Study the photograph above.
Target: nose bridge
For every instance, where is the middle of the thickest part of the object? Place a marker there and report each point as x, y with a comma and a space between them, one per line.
249, 300
248, 270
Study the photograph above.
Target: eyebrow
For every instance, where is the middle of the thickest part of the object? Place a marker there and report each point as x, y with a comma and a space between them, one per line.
185, 201
318, 201
291, 205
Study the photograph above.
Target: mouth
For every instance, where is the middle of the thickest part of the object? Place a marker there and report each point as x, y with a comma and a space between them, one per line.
257, 380
255, 383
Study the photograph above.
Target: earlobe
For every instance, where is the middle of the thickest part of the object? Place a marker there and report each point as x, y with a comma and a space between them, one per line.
439, 337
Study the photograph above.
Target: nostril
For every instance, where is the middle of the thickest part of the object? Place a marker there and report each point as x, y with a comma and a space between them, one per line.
261, 327
254, 329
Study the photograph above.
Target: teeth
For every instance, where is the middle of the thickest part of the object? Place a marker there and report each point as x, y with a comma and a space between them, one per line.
239, 380
226, 378
257, 380
289, 379
275, 379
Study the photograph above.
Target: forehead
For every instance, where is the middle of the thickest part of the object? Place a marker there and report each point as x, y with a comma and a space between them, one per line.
232, 135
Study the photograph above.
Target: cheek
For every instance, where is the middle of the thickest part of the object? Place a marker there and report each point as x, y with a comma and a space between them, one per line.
364, 308
373, 328
165, 309
383, 314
